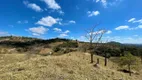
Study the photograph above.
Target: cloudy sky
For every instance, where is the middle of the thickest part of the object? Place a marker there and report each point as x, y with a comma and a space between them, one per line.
69, 18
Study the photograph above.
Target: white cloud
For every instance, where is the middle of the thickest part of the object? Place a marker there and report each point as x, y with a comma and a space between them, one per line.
104, 2
122, 27
93, 13
128, 28
72, 22
63, 35
33, 6
23, 22
138, 21
52, 4
132, 19
60, 30
4, 33
107, 3
139, 26
57, 30
35, 34
48, 21
61, 12
108, 32
69, 22
37, 31
96, 1
67, 31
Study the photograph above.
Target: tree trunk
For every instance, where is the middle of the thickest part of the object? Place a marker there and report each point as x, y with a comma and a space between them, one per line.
91, 52
105, 59
98, 61
92, 58
129, 66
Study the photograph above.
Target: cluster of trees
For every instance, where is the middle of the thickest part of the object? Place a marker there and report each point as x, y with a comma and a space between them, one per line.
126, 53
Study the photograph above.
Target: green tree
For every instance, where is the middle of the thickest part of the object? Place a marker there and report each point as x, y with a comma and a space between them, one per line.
128, 60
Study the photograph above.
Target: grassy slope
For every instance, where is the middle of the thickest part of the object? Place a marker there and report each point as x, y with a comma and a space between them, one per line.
72, 66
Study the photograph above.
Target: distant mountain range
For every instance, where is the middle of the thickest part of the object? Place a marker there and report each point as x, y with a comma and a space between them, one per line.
27, 39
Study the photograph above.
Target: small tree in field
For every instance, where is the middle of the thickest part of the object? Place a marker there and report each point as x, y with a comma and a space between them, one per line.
105, 47
128, 60
94, 36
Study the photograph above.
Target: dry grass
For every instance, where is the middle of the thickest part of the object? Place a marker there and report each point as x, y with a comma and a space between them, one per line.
72, 66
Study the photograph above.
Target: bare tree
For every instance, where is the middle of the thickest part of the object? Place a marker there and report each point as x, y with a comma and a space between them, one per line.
94, 36
105, 46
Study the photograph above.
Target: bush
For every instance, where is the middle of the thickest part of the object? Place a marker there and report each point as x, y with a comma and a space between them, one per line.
62, 51
67, 50
69, 44
22, 49
56, 49
128, 60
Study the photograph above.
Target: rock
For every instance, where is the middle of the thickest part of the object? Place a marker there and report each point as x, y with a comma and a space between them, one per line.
96, 65
50, 53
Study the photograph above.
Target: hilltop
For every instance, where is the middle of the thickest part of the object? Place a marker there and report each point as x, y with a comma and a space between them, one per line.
25, 58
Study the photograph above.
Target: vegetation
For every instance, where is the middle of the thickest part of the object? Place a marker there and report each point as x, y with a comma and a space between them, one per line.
56, 49
72, 66
21, 55
69, 44
128, 60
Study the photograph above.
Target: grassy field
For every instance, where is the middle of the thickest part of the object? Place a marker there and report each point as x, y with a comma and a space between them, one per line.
72, 66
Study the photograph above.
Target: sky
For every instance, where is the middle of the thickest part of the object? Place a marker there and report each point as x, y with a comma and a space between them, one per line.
70, 18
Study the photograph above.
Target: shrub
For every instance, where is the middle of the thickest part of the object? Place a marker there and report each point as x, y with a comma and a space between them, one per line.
22, 49
62, 51
128, 60
56, 49
69, 44
67, 50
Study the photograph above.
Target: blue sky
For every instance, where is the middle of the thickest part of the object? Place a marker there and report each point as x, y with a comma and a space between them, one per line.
69, 18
